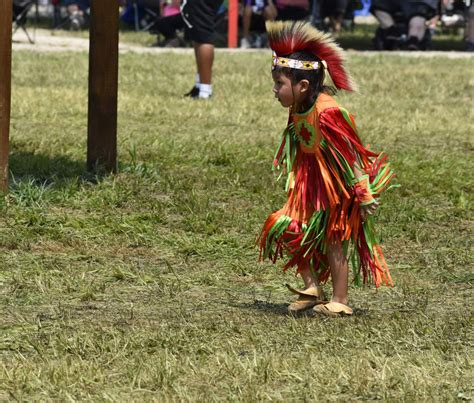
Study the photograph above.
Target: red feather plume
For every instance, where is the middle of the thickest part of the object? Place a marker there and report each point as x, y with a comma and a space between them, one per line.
289, 37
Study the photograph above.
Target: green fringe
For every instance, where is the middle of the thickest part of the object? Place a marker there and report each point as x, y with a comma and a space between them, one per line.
287, 158
276, 231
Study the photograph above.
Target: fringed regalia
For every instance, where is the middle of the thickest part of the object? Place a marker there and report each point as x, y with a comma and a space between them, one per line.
320, 150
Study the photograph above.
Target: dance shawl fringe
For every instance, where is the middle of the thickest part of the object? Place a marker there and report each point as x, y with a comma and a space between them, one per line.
322, 204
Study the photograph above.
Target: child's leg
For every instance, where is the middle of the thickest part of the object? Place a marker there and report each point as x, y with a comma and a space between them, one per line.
308, 276
339, 272
246, 21
204, 53
311, 295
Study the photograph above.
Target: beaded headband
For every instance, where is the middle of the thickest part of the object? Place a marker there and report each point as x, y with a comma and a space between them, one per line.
296, 64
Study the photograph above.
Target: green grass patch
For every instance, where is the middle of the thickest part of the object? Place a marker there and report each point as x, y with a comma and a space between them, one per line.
145, 285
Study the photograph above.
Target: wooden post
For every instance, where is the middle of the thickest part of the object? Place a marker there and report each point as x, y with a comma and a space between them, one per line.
103, 86
5, 87
233, 14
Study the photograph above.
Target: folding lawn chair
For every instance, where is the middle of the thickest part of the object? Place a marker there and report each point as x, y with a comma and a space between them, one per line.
21, 8
143, 17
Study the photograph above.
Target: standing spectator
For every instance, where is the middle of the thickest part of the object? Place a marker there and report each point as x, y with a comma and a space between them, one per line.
200, 19
254, 12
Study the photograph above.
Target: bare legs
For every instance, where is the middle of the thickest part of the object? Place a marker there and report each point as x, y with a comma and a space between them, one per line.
204, 53
308, 276
269, 14
246, 20
336, 23
339, 272
417, 27
470, 32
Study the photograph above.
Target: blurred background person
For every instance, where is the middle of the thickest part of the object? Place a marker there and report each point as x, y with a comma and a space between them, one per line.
255, 13
403, 23
168, 27
168, 24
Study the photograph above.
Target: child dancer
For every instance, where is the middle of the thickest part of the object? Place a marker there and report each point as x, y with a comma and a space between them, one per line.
333, 180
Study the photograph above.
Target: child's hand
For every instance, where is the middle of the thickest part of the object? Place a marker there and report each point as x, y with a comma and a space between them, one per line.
368, 209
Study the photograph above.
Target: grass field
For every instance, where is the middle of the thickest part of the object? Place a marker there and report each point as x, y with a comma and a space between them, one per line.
145, 285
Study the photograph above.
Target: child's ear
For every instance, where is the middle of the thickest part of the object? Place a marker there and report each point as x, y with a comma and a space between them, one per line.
304, 86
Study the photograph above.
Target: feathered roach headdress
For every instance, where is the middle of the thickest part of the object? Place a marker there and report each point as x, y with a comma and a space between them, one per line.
286, 38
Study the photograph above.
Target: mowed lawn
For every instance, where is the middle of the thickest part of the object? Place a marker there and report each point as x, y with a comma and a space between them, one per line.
145, 285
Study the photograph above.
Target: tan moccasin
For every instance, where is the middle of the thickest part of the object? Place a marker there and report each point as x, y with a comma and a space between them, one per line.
307, 299
333, 309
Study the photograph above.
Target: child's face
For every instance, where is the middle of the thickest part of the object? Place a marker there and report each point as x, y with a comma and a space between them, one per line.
287, 93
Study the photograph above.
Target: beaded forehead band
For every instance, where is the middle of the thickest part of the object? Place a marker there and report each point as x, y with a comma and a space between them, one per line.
296, 64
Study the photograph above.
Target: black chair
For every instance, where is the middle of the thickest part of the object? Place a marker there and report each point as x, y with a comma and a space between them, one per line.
144, 16
21, 8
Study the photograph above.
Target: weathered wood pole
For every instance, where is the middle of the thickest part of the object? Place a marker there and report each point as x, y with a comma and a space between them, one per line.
103, 86
6, 10
233, 16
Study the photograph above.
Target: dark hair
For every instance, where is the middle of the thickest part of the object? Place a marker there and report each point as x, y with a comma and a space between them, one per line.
315, 77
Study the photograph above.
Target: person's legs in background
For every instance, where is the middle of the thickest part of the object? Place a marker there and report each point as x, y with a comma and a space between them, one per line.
255, 13
245, 42
384, 18
418, 13
200, 18
388, 34
470, 29
270, 11
204, 53
383, 10
335, 10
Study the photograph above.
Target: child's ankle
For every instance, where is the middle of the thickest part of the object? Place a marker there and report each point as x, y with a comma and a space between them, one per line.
311, 285
340, 300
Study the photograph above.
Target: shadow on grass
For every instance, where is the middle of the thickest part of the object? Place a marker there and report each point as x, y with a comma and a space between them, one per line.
56, 172
43, 167
263, 306
282, 309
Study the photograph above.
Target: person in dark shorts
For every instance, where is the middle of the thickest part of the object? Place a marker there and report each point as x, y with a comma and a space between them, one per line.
200, 20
